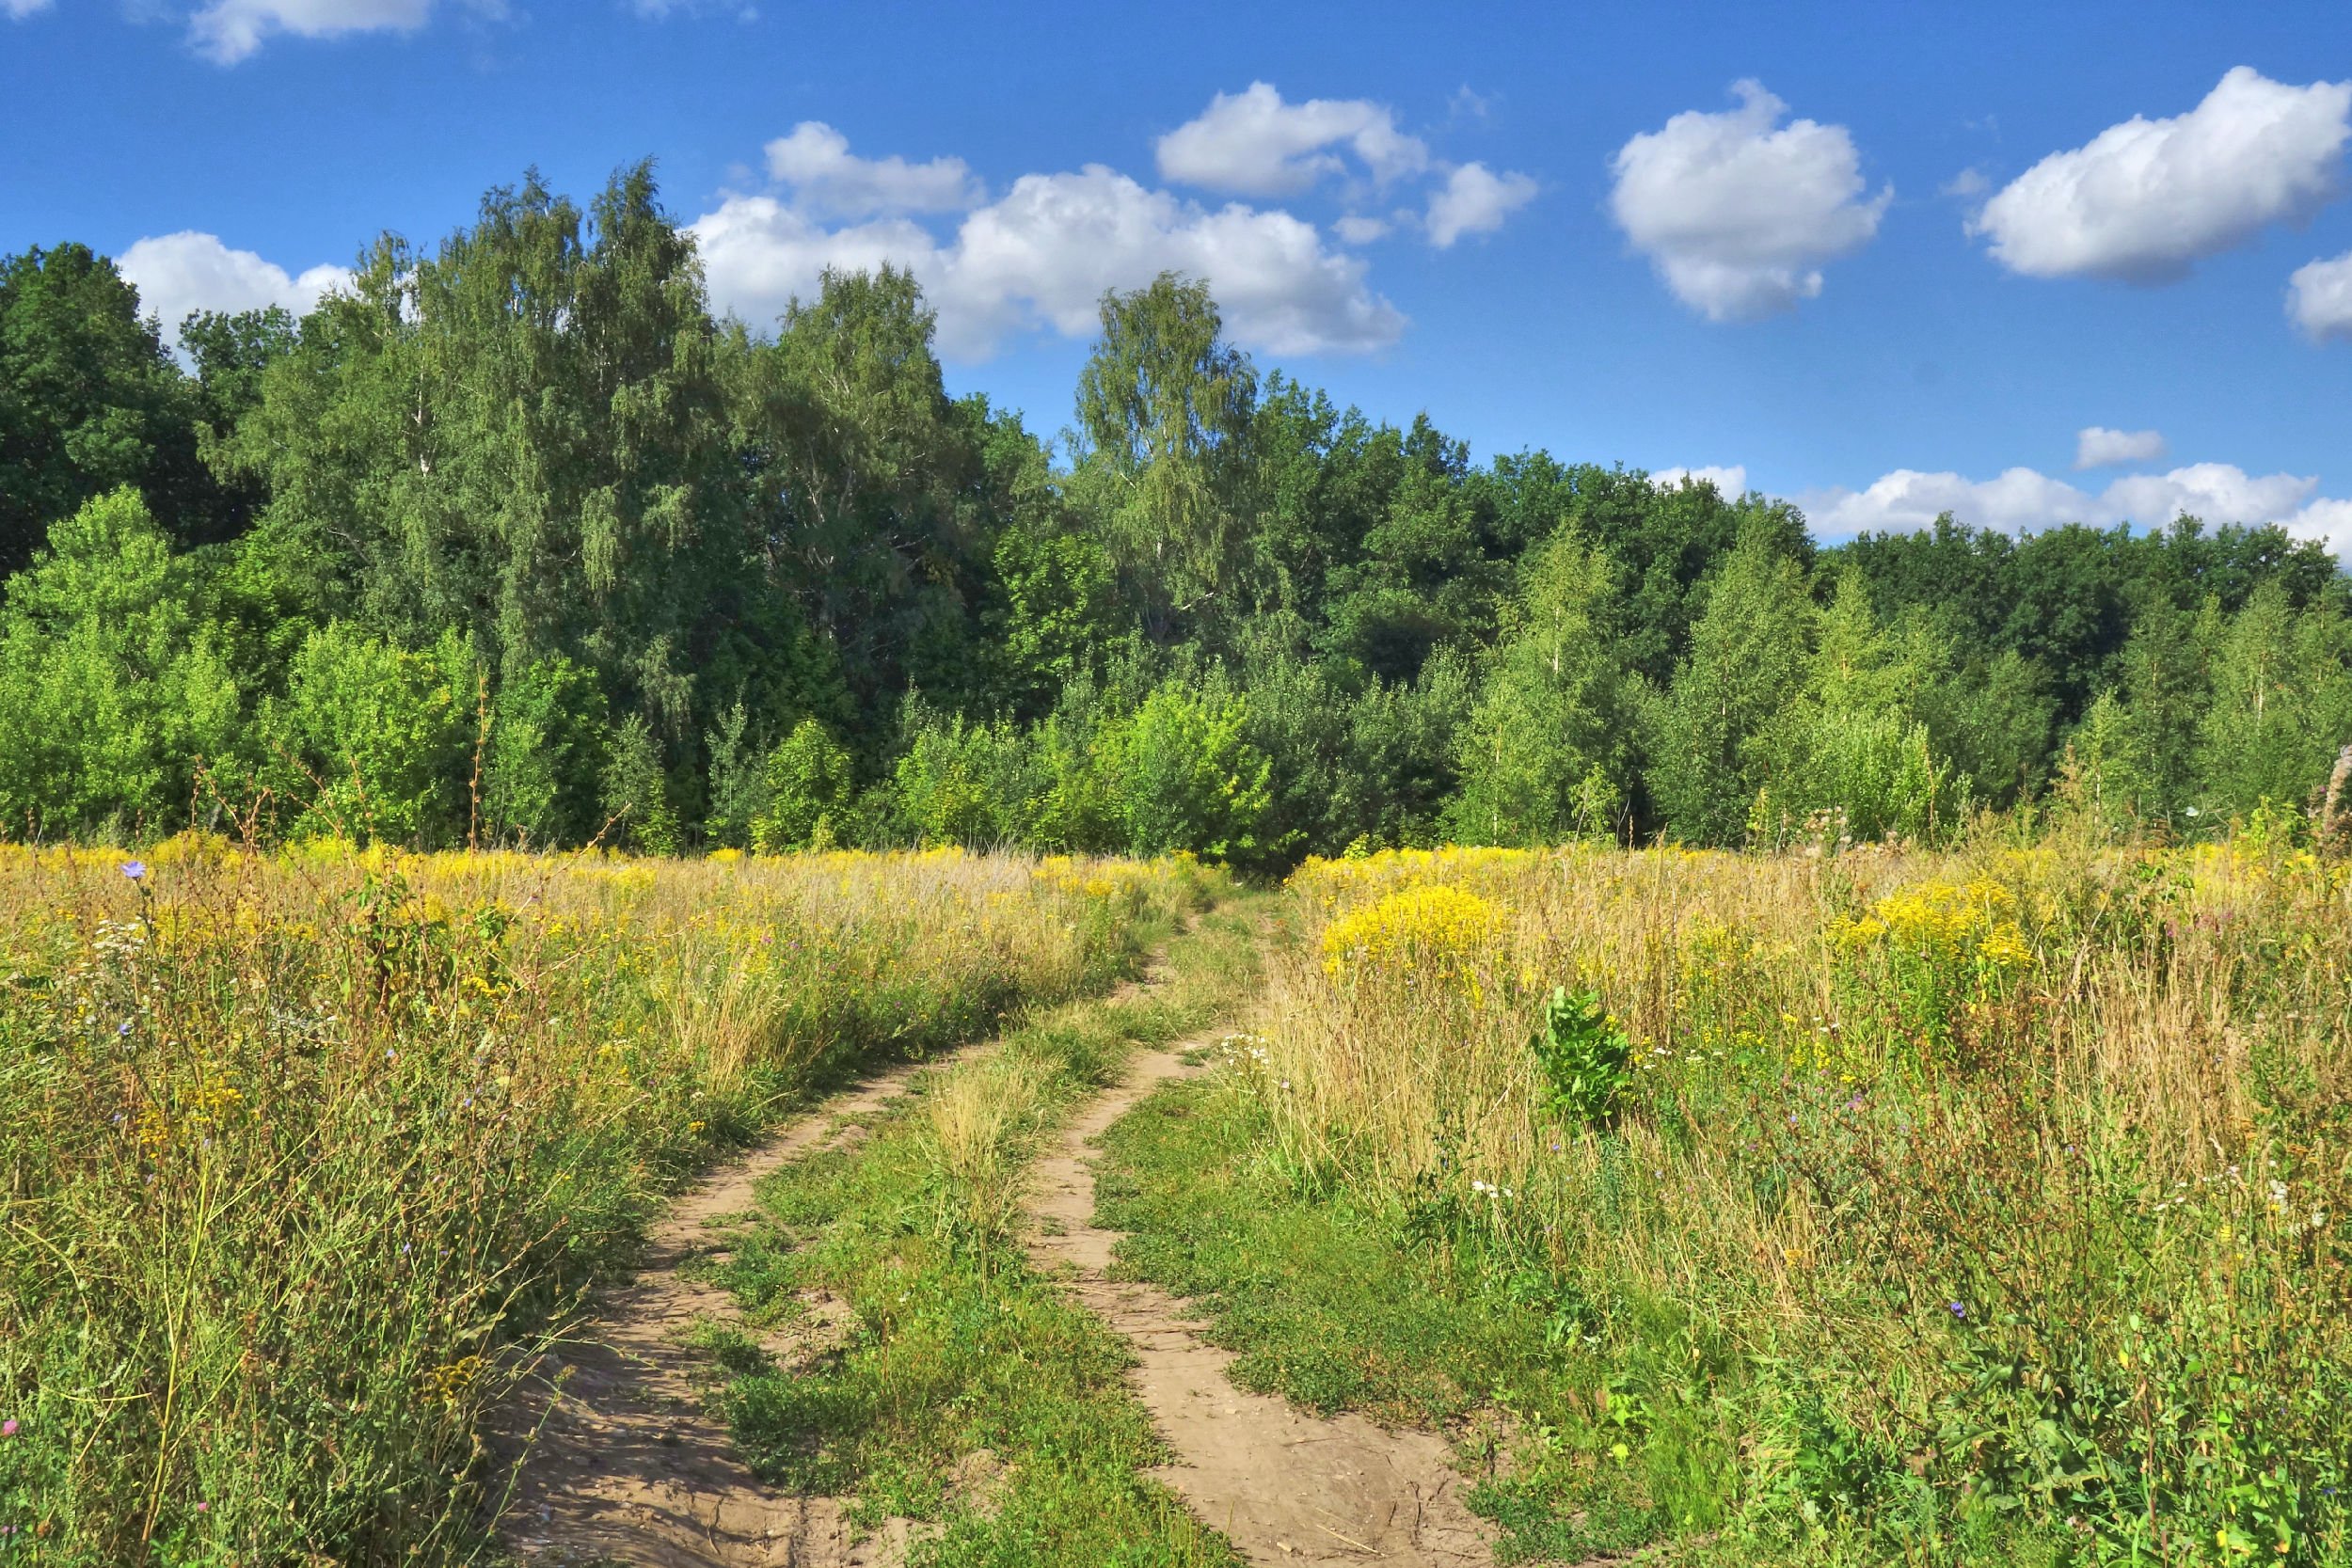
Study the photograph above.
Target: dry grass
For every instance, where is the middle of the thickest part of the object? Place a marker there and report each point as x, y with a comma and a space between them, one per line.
291, 1143
2014, 1179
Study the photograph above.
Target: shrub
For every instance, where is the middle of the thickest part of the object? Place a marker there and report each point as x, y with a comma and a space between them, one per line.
1585, 1055
637, 793
376, 740
1189, 778
807, 788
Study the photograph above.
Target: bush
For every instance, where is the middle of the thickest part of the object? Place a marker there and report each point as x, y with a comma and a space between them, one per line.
1584, 1056
546, 752
1189, 779
807, 789
111, 689
637, 792
375, 738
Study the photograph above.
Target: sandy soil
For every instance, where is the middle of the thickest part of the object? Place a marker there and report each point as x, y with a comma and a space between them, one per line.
1283, 1486
627, 1465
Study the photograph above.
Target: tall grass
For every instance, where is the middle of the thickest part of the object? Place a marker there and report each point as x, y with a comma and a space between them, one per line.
1988, 1204
293, 1145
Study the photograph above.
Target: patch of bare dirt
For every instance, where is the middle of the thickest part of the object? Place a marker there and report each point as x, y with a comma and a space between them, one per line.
1284, 1487
621, 1463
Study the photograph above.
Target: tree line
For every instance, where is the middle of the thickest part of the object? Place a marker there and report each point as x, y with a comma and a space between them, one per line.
514, 541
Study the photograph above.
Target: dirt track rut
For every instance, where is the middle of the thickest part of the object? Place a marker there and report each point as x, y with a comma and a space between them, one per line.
1284, 1487
627, 1465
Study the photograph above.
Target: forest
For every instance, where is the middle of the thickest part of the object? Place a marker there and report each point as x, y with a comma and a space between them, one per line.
513, 542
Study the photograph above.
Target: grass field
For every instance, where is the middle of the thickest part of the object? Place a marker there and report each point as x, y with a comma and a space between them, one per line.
1979, 1207
1971, 1208
293, 1145
959, 1347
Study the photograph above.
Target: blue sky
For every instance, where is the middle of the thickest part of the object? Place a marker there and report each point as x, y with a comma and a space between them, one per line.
1714, 236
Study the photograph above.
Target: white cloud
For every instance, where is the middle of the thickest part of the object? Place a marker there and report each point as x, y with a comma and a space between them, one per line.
759, 253
824, 175
1474, 200
1731, 483
19, 9
226, 31
1042, 254
1355, 229
1252, 143
1738, 213
1968, 184
188, 271
2143, 201
2022, 500
2097, 446
661, 11
2319, 297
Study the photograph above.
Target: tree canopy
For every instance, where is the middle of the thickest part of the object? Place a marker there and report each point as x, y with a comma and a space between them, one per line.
512, 539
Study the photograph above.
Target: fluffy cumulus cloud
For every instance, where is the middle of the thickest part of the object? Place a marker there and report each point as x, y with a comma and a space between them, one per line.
1042, 255
2097, 446
2021, 499
2319, 298
1252, 143
1738, 211
179, 272
1256, 143
1474, 199
226, 31
815, 162
2143, 201
1731, 483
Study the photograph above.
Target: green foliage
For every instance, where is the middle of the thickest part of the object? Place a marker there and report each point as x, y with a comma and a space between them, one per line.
1166, 406
2282, 706
534, 436
112, 688
1061, 610
1547, 752
374, 741
1189, 777
1712, 731
541, 775
960, 781
635, 790
1586, 1058
808, 789
90, 402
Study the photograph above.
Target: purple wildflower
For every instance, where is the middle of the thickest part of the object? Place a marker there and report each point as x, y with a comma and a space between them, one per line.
135, 869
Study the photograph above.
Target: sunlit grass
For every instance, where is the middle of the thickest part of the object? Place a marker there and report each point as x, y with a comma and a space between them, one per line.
294, 1142
1988, 1202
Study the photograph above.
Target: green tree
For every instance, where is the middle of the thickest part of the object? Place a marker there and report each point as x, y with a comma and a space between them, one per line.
2282, 706
1852, 740
1712, 745
1189, 779
520, 435
1545, 754
113, 690
90, 402
1060, 613
808, 790
544, 759
635, 790
1164, 406
374, 741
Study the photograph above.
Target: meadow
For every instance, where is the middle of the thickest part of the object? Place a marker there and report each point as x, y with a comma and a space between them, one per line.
301, 1150
1837, 1205
1982, 1206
